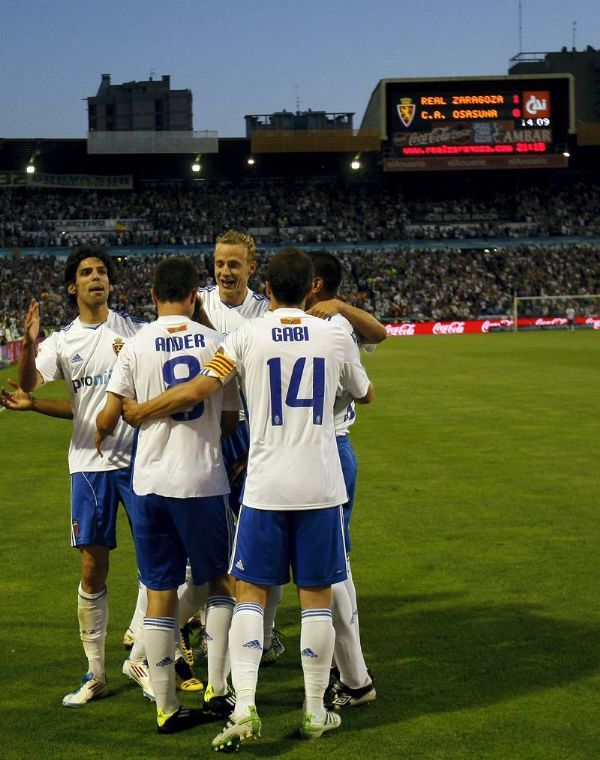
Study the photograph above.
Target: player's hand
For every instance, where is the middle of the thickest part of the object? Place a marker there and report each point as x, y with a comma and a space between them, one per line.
31, 326
16, 400
324, 309
99, 438
132, 412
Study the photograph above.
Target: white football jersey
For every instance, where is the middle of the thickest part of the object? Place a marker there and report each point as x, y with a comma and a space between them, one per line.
180, 455
225, 318
344, 409
84, 357
290, 365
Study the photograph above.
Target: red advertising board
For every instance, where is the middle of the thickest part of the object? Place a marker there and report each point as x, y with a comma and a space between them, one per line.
458, 327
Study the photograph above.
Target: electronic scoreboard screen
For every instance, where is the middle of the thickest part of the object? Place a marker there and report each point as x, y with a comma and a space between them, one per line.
504, 122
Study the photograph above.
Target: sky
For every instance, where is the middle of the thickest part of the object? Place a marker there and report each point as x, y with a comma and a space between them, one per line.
259, 56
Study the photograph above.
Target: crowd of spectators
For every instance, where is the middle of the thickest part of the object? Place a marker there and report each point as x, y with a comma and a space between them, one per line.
278, 211
400, 284
401, 281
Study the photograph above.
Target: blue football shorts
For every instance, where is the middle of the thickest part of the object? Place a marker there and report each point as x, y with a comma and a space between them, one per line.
95, 498
350, 471
268, 542
169, 531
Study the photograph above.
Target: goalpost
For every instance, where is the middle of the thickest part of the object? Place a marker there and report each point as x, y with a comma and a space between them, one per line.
517, 300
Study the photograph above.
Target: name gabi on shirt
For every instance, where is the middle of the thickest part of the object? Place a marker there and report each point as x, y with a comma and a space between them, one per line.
285, 334
179, 342
90, 380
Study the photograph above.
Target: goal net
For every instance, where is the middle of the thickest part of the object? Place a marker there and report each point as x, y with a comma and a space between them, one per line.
556, 311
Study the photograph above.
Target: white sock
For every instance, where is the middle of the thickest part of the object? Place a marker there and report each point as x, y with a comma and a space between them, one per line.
273, 601
316, 648
92, 611
349, 582
219, 611
191, 599
348, 654
245, 650
160, 648
138, 650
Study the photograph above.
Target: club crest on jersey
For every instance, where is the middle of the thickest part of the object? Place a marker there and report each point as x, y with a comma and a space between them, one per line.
406, 111
118, 344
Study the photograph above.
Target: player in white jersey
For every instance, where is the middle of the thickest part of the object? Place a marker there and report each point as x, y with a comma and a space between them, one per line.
228, 305
83, 354
291, 513
354, 684
180, 483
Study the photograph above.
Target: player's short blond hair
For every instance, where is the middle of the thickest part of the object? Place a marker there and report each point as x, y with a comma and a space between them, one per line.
233, 237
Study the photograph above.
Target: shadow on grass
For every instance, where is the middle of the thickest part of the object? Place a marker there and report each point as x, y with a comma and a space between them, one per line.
435, 656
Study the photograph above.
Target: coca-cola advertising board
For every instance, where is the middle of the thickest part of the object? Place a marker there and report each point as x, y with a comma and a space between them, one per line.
461, 327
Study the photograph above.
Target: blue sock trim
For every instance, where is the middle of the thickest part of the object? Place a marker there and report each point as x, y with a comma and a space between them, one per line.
316, 613
248, 607
220, 601
160, 623
92, 597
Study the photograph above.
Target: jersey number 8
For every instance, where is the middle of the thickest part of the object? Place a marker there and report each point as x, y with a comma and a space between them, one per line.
193, 368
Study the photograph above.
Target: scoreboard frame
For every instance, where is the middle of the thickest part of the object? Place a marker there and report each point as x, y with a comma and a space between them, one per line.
469, 123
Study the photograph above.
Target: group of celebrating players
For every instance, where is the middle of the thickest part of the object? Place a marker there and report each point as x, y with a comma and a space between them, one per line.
237, 408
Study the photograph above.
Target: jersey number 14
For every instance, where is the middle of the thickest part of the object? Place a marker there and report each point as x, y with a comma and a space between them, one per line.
291, 397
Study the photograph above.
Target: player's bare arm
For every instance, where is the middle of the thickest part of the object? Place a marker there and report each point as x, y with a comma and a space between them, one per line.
176, 399
18, 400
107, 419
29, 377
369, 329
369, 396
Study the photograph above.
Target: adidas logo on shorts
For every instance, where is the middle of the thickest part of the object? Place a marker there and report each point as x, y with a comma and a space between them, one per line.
240, 565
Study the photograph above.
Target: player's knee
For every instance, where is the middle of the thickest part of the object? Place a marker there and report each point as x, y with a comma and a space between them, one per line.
224, 585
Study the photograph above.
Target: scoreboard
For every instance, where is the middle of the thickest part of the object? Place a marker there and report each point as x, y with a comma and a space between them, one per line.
477, 123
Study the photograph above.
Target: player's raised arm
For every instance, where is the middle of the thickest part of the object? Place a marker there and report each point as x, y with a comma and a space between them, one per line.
369, 329
29, 377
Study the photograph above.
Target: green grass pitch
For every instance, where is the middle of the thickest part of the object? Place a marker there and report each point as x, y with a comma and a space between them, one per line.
476, 560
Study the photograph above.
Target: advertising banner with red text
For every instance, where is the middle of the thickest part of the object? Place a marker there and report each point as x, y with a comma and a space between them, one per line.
458, 327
